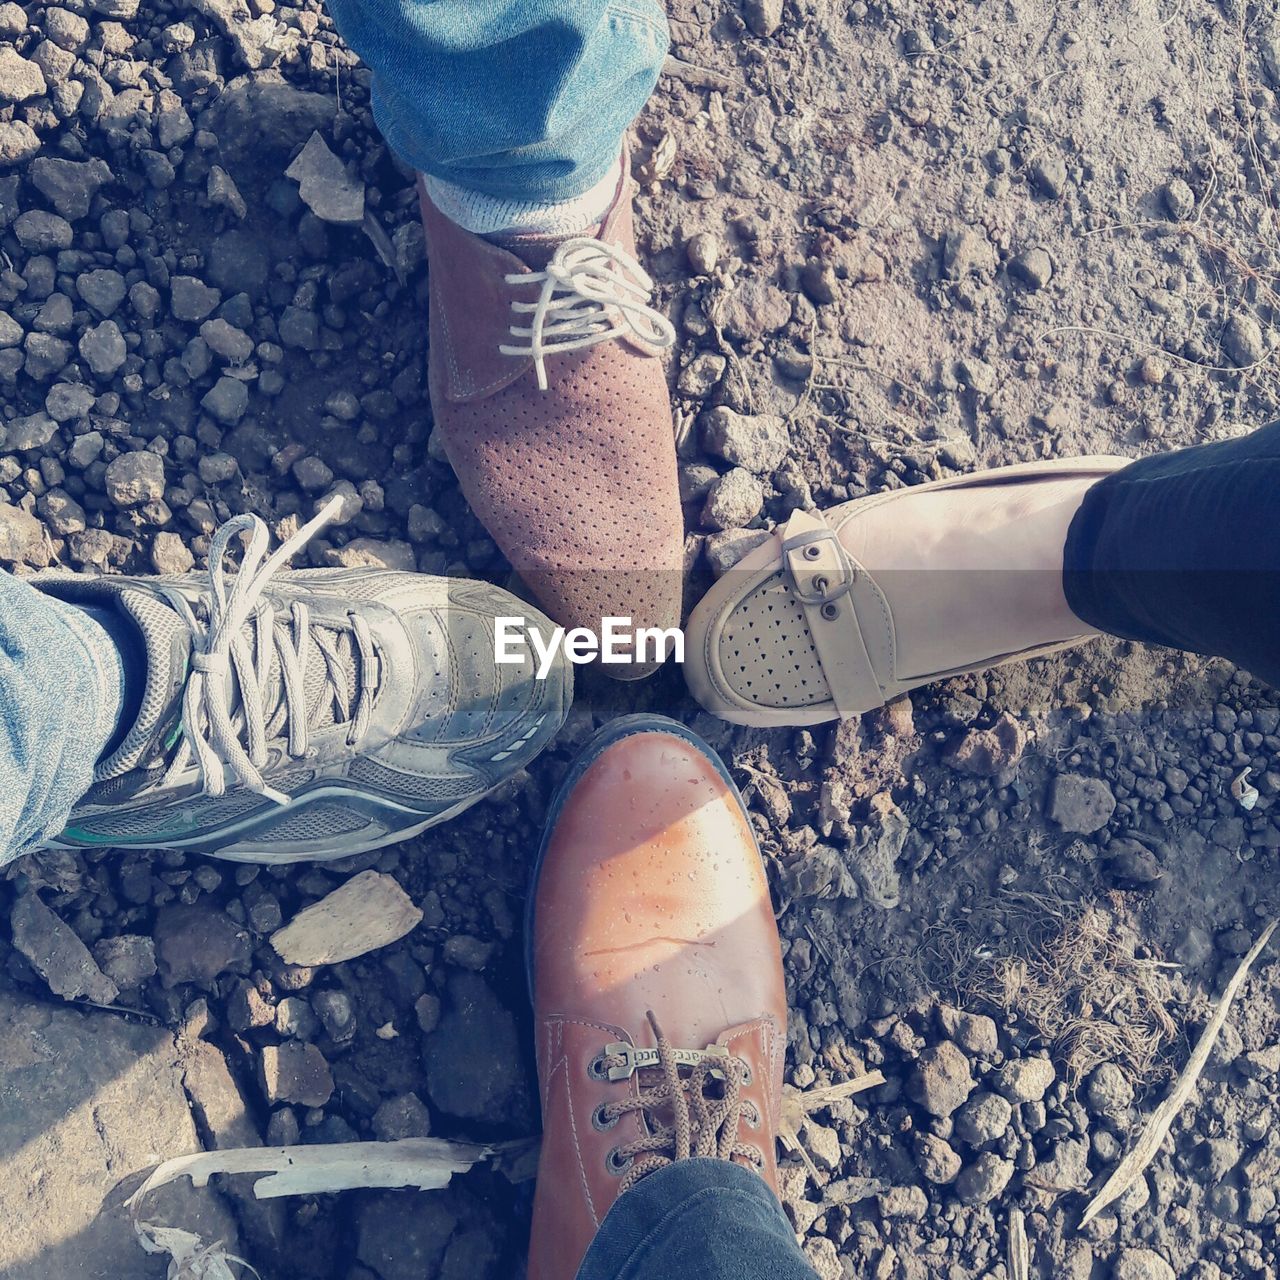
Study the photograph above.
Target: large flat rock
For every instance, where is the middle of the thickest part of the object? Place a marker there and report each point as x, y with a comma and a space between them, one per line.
88, 1101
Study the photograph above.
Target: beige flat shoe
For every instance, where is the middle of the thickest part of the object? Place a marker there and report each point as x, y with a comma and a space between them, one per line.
802, 630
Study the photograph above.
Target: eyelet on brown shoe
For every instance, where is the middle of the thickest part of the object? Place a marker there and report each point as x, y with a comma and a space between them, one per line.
617, 1166
595, 1069
600, 1121
751, 1114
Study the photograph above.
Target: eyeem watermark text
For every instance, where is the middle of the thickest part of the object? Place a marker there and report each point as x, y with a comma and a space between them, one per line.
617, 642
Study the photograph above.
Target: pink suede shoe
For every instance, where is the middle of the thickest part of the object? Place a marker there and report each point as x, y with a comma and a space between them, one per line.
552, 403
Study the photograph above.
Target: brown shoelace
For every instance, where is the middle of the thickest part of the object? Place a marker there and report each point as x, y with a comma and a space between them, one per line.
702, 1124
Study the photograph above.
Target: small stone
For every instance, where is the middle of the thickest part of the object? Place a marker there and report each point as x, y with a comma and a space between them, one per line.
1179, 200
170, 555
373, 553
312, 474
427, 1011
755, 309
13, 21
701, 375
103, 290
986, 752
1141, 1264
103, 348
135, 478
225, 340
404, 1116
823, 1145
33, 432
248, 1010
1110, 1093
941, 1081
472, 1059
337, 1014
1032, 268
1132, 864
21, 536
123, 9
467, 953
61, 512
757, 442
56, 953
820, 282
227, 400
1050, 176
984, 1179
217, 468
904, 1202
296, 1018
736, 499
968, 251
128, 959
1081, 805
18, 143
11, 332
1241, 340
223, 192
1026, 1079
19, 79
938, 1160
1152, 371
191, 300
973, 1032
41, 232
295, 1072
45, 355
199, 943
764, 17
299, 328
324, 185
983, 1119
66, 29
86, 449
703, 252
69, 185
366, 913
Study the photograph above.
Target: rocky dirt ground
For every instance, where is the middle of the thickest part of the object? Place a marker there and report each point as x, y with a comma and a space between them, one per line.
899, 240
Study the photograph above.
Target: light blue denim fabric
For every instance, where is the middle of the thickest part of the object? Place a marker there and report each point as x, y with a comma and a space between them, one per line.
60, 689
521, 99
704, 1218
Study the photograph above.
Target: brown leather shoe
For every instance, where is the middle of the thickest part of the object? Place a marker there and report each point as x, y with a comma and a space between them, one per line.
649, 909
553, 408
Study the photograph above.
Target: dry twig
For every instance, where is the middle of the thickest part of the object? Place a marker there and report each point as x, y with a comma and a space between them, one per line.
1157, 1128
1019, 1252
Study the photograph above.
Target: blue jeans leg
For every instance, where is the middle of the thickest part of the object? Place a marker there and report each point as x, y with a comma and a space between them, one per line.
519, 99
61, 680
704, 1218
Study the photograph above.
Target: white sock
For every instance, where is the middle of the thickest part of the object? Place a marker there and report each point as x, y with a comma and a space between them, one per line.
485, 215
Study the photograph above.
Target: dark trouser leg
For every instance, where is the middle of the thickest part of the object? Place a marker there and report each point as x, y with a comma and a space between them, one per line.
704, 1218
1183, 549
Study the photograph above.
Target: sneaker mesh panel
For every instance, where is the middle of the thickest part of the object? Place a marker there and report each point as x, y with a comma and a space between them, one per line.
405, 784
314, 822
199, 811
766, 652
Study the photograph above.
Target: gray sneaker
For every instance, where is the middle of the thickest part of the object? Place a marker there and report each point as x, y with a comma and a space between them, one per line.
311, 714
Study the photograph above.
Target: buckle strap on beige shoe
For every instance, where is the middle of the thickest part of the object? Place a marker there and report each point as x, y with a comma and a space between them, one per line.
822, 578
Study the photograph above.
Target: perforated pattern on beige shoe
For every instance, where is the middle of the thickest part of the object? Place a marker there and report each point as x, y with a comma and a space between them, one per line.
767, 655
577, 485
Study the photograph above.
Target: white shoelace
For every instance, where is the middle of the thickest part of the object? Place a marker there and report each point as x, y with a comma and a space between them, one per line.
591, 292
219, 645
